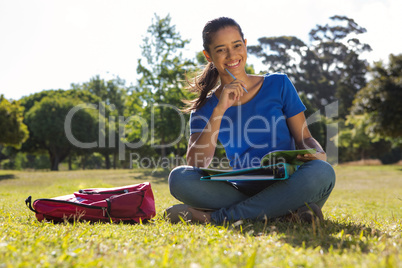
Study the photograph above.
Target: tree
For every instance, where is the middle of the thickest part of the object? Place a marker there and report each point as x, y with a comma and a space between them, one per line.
327, 70
161, 85
357, 144
113, 96
341, 70
13, 131
46, 122
280, 54
112, 92
380, 101
353, 136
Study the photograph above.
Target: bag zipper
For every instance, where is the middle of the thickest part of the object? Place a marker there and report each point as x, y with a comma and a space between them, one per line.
104, 192
70, 202
105, 210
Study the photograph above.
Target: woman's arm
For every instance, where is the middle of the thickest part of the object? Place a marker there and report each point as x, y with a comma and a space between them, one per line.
201, 146
298, 128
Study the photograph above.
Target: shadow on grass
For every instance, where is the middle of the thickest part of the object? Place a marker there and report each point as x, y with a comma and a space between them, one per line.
154, 176
333, 235
328, 235
7, 177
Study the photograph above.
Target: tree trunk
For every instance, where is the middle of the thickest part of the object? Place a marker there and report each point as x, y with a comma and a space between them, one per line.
56, 156
70, 167
114, 160
54, 161
107, 160
84, 161
163, 148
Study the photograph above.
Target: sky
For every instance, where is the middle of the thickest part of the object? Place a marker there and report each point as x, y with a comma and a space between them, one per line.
49, 44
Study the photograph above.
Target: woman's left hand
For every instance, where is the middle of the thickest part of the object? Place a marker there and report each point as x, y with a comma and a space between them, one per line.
300, 132
309, 157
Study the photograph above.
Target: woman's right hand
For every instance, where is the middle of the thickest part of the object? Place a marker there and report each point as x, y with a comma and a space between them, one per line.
202, 145
230, 94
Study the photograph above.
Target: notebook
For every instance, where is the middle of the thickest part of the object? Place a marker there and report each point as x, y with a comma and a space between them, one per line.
276, 165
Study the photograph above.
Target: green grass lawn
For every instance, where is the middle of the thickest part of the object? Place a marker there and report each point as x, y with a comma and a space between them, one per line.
363, 227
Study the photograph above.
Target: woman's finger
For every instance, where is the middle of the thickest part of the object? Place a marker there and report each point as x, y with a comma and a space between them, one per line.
234, 89
241, 84
309, 157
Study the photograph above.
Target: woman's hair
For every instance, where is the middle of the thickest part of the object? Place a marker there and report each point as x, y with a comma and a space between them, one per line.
209, 77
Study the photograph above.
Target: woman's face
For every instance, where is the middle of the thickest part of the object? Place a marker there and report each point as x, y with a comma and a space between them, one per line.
227, 50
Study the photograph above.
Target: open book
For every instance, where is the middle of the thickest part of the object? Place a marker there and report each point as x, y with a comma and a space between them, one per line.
276, 165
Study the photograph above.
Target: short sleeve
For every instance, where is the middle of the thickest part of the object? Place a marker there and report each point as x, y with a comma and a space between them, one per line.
292, 104
200, 117
197, 122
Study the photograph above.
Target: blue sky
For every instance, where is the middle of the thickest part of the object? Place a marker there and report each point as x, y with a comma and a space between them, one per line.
50, 44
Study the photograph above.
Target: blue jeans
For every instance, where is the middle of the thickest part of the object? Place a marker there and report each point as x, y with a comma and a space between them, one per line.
311, 183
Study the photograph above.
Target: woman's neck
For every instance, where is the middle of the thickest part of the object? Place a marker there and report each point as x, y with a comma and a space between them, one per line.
227, 79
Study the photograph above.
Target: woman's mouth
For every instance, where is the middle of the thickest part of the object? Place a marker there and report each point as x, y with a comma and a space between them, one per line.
233, 64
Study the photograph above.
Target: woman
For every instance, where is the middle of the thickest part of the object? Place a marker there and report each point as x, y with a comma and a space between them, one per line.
251, 116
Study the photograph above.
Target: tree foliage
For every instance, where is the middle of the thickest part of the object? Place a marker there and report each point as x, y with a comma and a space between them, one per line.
112, 94
280, 54
353, 136
328, 69
13, 131
46, 122
160, 88
380, 100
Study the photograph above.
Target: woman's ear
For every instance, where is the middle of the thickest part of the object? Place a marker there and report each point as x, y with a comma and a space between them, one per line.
207, 56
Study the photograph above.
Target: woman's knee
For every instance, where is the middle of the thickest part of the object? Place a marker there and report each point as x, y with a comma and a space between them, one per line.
316, 173
324, 172
180, 177
325, 169
176, 175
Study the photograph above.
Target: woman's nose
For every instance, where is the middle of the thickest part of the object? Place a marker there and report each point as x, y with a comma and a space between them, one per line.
229, 53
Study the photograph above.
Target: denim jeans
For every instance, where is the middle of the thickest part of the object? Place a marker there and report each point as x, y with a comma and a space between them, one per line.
311, 183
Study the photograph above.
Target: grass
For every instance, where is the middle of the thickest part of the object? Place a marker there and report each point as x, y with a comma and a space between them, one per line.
363, 227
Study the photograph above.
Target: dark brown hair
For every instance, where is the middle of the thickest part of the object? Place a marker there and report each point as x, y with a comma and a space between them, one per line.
209, 77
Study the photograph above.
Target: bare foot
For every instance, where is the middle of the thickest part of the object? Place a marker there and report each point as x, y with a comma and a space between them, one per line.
199, 215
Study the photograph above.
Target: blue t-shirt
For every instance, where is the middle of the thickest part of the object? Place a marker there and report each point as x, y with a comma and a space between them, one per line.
251, 130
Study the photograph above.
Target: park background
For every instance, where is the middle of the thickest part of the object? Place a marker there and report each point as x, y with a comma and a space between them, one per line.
120, 66
128, 64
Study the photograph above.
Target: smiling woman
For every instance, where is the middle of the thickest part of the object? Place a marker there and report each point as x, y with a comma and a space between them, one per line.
228, 49
265, 117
